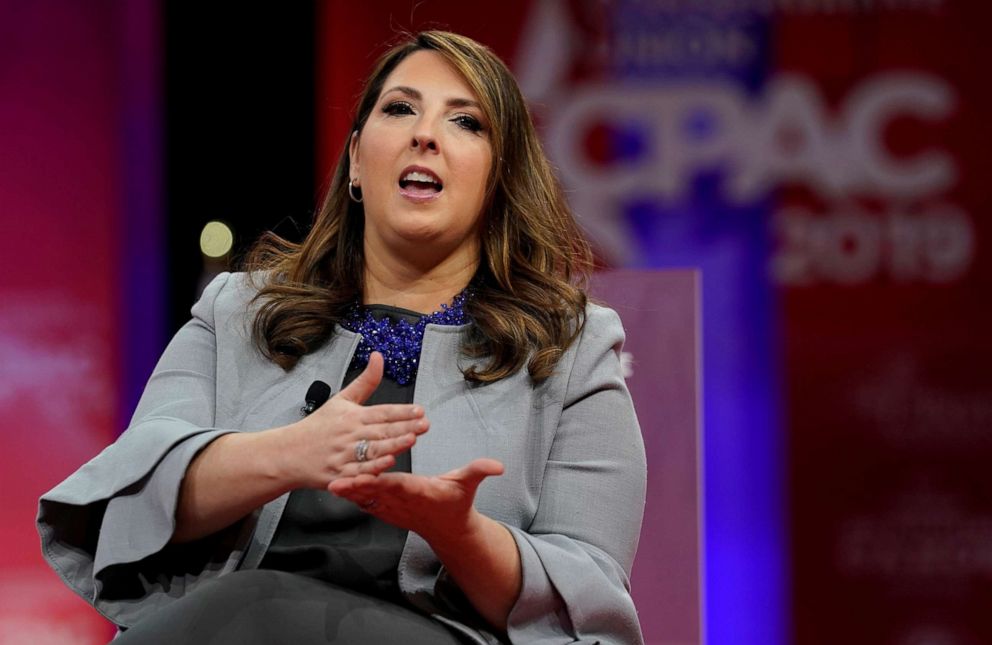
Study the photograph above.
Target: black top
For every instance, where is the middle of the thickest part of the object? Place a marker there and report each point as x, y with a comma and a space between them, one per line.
325, 537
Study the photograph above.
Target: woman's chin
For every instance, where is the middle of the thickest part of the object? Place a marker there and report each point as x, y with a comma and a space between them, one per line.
419, 233
429, 243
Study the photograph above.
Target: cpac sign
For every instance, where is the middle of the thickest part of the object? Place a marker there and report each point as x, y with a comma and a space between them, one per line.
784, 136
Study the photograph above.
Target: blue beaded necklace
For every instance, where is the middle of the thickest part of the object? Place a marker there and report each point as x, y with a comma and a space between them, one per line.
399, 342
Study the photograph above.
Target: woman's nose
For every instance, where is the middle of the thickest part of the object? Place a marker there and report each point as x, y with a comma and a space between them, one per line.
424, 141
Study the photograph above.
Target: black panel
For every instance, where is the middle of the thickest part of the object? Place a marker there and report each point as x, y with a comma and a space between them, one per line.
239, 127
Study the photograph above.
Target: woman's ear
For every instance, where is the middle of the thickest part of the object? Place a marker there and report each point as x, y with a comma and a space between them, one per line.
353, 156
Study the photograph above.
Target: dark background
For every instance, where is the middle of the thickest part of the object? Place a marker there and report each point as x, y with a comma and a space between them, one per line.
239, 129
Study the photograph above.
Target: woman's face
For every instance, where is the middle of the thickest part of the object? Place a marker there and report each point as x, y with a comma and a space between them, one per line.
422, 160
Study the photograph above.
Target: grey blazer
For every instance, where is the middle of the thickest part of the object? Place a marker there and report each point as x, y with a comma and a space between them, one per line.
572, 495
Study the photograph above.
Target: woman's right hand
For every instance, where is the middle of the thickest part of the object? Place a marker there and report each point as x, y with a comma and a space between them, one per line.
322, 446
239, 471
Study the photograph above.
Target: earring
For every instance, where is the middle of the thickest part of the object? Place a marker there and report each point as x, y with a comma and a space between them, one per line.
352, 184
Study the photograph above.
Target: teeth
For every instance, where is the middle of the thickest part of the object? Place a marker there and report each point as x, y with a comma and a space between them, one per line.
421, 177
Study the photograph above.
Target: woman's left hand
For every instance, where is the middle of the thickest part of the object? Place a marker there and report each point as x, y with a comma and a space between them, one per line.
478, 552
437, 508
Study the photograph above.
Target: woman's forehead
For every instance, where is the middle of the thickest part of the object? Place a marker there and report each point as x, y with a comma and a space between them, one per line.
426, 74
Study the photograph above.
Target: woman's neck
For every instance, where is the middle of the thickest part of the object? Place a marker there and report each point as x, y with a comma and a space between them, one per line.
391, 281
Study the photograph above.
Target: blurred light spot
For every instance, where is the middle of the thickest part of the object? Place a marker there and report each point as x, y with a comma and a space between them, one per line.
216, 239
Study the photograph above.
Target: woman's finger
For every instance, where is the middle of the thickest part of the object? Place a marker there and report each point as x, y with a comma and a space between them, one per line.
383, 431
359, 390
475, 471
394, 484
344, 485
390, 446
370, 467
390, 412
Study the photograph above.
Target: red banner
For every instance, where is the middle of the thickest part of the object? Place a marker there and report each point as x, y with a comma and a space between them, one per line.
59, 330
883, 232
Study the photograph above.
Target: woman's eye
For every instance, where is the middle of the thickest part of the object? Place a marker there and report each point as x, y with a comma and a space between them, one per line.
398, 107
468, 122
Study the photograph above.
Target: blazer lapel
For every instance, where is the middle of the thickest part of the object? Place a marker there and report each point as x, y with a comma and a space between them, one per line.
458, 433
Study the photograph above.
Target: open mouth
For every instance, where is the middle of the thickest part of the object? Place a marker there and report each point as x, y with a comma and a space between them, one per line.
420, 182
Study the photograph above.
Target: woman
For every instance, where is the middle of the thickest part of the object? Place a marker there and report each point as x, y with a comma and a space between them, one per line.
492, 486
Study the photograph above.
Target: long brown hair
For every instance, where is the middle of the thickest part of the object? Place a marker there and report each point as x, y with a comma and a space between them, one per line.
528, 303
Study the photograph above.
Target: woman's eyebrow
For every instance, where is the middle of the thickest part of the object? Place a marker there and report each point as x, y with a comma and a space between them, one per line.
415, 94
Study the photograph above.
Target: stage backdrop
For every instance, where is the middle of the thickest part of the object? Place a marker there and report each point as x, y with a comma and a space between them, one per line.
78, 213
877, 133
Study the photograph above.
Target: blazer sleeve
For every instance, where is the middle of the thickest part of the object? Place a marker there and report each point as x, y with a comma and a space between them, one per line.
577, 554
106, 529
